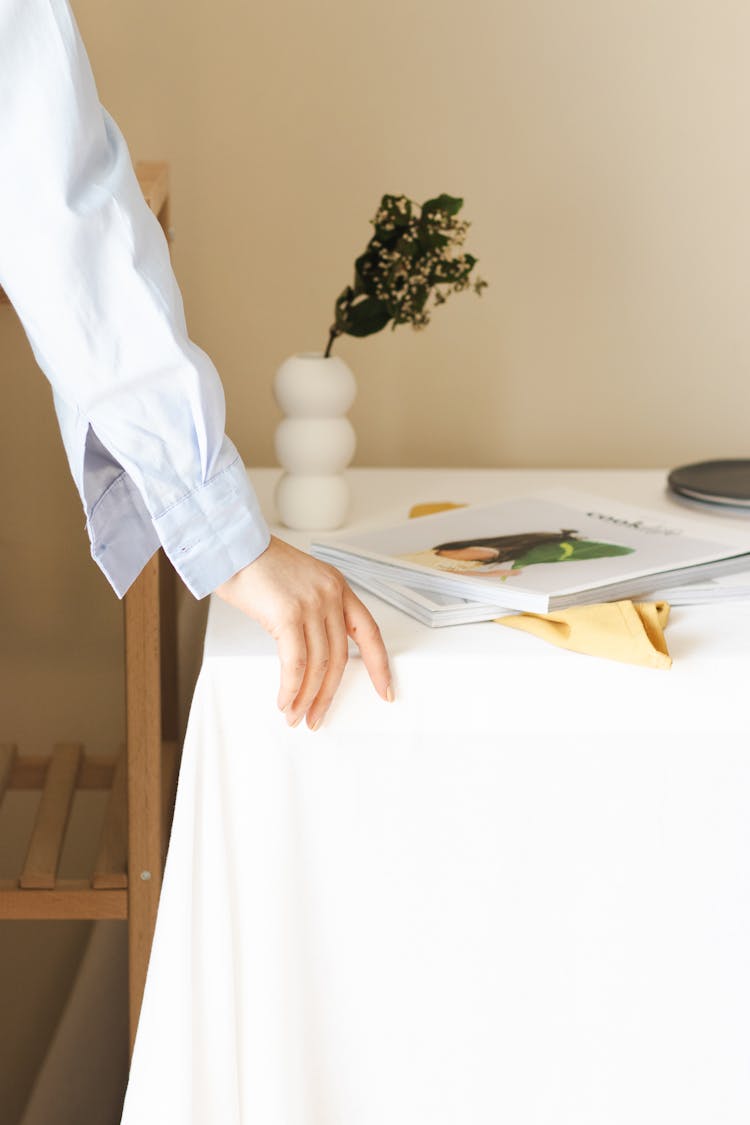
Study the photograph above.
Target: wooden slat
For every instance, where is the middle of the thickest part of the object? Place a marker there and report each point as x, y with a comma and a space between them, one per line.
45, 847
72, 898
111, 866
97, 771
30, 771
7, 759
143, 698
153, 178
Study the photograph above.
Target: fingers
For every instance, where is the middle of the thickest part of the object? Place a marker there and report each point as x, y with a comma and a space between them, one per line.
362, 628
316, 642
337, 657
313, 649
292, 648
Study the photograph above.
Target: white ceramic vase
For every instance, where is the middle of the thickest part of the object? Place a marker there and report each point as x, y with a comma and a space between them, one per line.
315, 441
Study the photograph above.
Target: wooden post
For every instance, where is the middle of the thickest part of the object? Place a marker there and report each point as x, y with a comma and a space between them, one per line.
151, 699
144, 740
168, 631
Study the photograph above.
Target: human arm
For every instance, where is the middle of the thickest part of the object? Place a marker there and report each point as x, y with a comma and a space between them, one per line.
86, 266
141, 407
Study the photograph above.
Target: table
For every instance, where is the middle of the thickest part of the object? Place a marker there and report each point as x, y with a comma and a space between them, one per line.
520, 894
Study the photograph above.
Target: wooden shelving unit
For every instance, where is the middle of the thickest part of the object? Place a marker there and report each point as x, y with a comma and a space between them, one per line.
126, 878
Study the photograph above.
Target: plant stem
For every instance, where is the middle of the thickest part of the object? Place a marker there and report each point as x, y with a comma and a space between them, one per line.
334, 333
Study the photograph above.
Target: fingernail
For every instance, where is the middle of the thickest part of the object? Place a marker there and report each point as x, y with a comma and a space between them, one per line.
389, 695
317, 724
295, 722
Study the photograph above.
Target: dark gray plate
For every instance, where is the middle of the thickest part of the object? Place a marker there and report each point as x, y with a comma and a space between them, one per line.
714, 482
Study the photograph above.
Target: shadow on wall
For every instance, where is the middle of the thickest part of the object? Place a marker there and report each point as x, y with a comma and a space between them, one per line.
84, 1073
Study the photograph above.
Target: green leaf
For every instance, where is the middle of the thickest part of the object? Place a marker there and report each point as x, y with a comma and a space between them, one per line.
360, 315
448, 203
428, 236
570, 552
431, 239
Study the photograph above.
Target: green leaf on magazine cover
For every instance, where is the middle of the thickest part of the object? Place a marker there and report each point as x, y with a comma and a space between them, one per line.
570, 551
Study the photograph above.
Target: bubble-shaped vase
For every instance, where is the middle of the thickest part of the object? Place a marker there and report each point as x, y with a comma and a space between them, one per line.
315, 441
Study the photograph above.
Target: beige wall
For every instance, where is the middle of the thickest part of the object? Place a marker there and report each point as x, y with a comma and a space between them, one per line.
602, 150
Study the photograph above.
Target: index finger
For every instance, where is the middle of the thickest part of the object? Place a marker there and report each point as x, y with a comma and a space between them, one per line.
363, 629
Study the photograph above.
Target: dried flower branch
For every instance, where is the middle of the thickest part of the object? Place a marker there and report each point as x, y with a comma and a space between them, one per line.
410, 266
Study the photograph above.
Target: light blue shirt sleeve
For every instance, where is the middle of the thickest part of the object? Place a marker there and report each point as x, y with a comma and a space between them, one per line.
86, 265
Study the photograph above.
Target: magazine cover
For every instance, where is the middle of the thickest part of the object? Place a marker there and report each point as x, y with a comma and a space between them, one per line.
542, 552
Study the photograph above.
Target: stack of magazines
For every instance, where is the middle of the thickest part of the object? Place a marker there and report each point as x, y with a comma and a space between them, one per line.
541, 553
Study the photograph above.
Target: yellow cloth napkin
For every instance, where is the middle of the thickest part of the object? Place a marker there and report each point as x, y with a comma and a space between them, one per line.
631, 632
628, 631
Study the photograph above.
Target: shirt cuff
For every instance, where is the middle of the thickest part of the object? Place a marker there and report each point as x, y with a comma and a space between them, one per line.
214, 531
209, 535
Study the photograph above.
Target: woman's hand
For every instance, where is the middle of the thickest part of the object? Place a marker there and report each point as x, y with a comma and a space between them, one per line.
309, 610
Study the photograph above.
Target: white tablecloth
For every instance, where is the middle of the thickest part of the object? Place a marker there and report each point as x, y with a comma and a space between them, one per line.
520, 894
